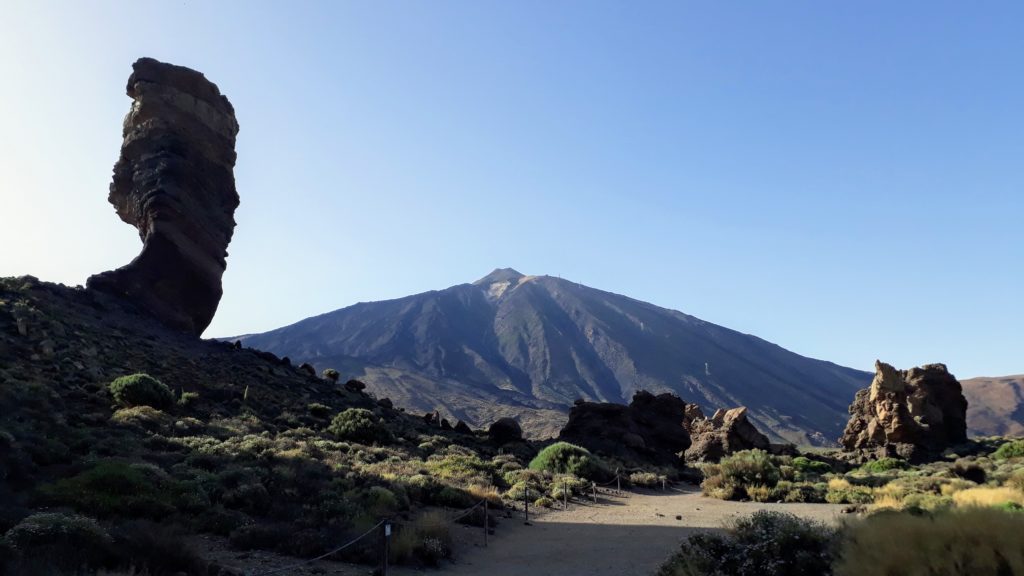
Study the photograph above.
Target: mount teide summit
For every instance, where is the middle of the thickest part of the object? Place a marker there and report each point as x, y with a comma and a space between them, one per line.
528, 346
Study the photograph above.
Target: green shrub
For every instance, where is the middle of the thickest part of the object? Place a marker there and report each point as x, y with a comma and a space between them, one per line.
883, 465
807, 467
971, 542
318, 410
145, 417
565, 458
187, 399
733, 475
359, 425
60, 540
806, 492
764, 544
1012, 449
113, 488
646, 479
141, 390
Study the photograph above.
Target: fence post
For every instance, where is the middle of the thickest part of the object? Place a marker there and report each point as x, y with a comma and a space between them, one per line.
486, 523
662, 484
526, 502
387, 538
593, 486
618, 483
565, 495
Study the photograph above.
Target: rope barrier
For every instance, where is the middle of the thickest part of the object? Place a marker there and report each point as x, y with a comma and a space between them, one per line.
322, 556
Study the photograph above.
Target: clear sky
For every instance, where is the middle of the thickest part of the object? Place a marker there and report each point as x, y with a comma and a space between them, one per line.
843, 179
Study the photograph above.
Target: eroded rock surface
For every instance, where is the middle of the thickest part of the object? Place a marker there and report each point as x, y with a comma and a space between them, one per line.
908, 413
726, 432
650, 429
174, 181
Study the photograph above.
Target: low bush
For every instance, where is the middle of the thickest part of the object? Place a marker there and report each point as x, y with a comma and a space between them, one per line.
60, 541
318, 410
734, 475
646, 479
1012, 449
114, 488
883, 465
764, 544
810, 468
359, 425
973, 542
566, 458
141, 390
988, 496
425, 541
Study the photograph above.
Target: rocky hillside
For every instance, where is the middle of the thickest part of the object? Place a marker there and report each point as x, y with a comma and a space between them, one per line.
529, 346
995, 405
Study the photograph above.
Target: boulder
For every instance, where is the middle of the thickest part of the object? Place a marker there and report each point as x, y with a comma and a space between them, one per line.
463, 428
354, 385
505, 430
726, 432
308, 369
649, 430
913, 414
174, 181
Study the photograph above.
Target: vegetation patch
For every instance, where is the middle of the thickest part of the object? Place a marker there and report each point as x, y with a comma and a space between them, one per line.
141, 390
566, 458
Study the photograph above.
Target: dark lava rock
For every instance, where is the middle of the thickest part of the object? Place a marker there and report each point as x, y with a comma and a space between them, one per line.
386, 403
355, 386
505, 430
726, 432
463, 428
914, 414
308, 369
174, 181
651, 429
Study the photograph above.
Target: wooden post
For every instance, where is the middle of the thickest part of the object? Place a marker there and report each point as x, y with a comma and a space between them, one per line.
593, 486
486, 523
565, 495
618, 483
662, 484
387, 538
526, 502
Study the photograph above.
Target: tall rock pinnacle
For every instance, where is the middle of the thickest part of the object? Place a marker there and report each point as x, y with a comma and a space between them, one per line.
174, 181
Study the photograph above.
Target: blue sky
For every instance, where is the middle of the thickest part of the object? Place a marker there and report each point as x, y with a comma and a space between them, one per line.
843, 179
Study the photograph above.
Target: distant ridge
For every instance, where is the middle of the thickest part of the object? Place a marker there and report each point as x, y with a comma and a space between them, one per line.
528, 346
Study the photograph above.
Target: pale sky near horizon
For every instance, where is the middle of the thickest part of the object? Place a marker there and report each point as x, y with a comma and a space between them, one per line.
842, 179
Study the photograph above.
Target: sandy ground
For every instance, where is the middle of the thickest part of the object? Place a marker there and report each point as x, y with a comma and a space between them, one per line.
623, 535
627, 534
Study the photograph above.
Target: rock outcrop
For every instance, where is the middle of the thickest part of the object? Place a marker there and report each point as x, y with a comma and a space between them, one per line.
174, 181
505, 430
912, 414
727, 431
650, 429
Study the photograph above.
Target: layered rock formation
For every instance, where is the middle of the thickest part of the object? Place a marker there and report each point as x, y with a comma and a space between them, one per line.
649, 429
174, 181
910, 413
726, 432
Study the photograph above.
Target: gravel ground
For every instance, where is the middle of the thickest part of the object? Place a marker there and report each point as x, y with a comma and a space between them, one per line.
627, 534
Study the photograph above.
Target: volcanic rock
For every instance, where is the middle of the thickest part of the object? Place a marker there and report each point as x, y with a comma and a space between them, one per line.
651, 429
726, 432
914, 414
505, 430
174, 181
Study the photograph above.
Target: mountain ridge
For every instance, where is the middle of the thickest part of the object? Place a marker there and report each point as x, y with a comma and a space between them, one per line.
538, 343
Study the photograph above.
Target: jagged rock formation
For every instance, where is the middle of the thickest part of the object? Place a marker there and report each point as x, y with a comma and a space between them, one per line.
650, 429
910, 413
174, 181
727, 431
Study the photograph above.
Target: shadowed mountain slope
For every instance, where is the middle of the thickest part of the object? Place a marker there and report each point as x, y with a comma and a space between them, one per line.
528, 346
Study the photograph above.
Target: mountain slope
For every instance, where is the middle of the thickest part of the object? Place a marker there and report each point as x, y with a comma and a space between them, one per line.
995, 406
515, 344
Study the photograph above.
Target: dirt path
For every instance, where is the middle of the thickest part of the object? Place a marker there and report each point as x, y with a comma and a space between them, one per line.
632, 534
